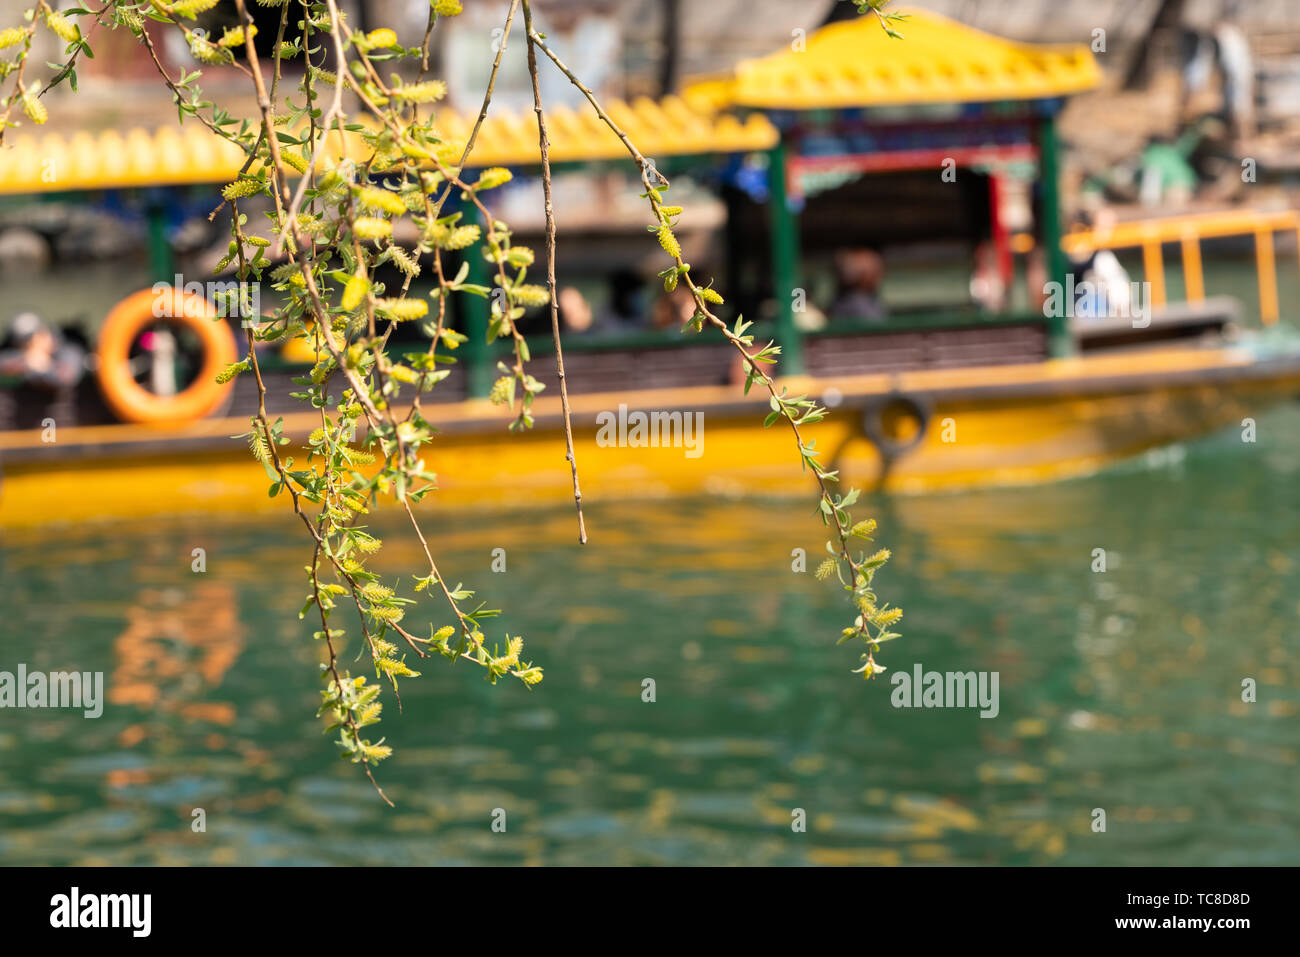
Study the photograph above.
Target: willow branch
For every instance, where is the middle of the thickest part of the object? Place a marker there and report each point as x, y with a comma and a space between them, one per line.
545, 147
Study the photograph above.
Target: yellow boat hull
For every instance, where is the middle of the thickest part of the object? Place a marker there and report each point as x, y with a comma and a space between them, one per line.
994, 425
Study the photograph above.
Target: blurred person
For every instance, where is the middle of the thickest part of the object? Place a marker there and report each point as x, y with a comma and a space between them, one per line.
1226, 50
1036, 277
859, 273
576, 315
41, 356
1238, 68
673, 309
1101, 284
986, 285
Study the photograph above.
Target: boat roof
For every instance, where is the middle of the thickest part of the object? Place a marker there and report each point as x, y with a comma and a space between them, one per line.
175, 155
855, 64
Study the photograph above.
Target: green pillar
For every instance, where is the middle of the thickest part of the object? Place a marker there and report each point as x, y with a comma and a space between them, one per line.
162, 267
1060, 342
478, 315
785, 261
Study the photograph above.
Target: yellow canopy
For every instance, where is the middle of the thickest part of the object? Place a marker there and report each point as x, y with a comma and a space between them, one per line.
668, 127
854, 63
192, 154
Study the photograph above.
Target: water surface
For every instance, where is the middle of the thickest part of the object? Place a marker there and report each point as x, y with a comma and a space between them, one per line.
1118, 690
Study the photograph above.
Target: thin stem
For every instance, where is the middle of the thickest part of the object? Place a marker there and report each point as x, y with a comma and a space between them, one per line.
843, 534
487, 101
544, 146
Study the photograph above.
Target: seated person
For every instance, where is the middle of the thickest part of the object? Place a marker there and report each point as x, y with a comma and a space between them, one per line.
578, 318
41, 356
859, 273
672, 310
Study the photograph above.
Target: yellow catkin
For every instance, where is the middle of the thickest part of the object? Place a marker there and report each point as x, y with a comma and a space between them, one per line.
392, 616
886, 618
669, 242
404, 374
404, 261
404, 310
520, 256
529, 295
354, 292
230, 371
11, 36
290, 158
864, 528
209, 53
240, 188
503, 391
35, 109
493, 177
192, 8
374, 198
430, 91
62, 27
368, 227
460, 237
234, 37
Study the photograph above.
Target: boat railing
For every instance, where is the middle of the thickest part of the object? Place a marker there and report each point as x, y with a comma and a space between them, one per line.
1188, 231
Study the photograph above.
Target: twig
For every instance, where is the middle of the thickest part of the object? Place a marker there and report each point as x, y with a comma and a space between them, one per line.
842, 533
545, 148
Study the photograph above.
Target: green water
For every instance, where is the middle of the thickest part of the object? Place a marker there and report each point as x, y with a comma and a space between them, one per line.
1119, 691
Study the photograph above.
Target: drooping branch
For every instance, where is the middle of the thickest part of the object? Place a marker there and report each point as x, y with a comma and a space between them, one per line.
545, 148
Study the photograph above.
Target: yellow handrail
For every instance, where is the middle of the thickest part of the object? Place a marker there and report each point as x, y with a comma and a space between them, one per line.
1188, 231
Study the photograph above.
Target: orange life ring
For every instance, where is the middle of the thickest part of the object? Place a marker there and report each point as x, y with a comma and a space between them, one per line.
131, 402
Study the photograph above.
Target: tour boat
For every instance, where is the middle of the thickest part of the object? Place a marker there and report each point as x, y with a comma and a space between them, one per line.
850, 139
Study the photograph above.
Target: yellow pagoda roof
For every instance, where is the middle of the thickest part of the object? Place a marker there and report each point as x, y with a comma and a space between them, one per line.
174, 156
668, 127
854, 63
